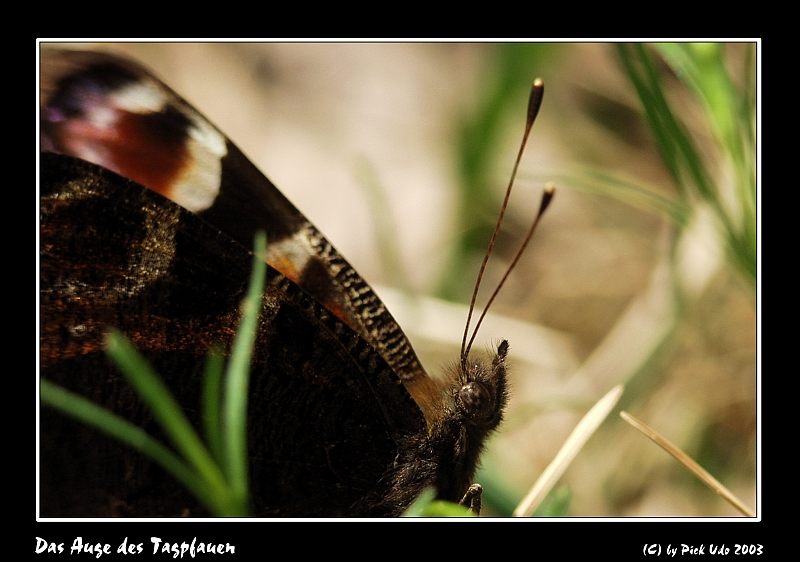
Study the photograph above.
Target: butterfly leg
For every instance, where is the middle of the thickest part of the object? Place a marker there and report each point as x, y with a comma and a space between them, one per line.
472, 499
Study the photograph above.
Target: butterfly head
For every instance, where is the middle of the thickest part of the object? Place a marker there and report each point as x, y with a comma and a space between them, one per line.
481, 395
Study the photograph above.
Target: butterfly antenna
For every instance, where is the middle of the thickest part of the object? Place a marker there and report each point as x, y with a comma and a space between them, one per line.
534, 103
547, 196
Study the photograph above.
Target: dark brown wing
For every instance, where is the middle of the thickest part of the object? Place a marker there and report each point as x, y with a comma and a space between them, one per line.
327, 415
113, 112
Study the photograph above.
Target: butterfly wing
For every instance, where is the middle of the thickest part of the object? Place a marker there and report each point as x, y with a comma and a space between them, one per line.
326, 415
113, 112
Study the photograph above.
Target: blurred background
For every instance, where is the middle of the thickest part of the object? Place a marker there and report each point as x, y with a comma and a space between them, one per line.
643, 271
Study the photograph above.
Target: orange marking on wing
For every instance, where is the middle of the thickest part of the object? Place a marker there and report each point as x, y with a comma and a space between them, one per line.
132, 147
289, 270
337, 311
285, 266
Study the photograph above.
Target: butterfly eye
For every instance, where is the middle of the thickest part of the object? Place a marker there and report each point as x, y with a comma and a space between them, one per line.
475, 400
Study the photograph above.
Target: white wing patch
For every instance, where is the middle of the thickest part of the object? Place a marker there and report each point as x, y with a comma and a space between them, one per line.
141, 97
199, 185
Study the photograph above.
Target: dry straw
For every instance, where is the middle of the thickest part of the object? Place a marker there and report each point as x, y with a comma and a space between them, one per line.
689, 463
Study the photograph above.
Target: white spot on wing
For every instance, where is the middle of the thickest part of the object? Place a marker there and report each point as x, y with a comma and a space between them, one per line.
206, 135
102, 117
295, 249
140, 97
199, 186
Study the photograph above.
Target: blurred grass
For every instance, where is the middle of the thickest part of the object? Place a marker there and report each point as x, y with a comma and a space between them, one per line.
730, 113
384, 228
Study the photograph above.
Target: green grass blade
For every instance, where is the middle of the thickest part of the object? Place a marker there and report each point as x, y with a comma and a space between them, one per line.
639, 196
418, 506
686, 151
677, 149
212, 403
690, 158
440, 508
234, 421
703, 66
664, 143
166, 410
742, 248
426, 505
747, 109
101, 419
731, 116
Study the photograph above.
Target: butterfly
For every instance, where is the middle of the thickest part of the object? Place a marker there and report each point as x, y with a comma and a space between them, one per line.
147, 214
